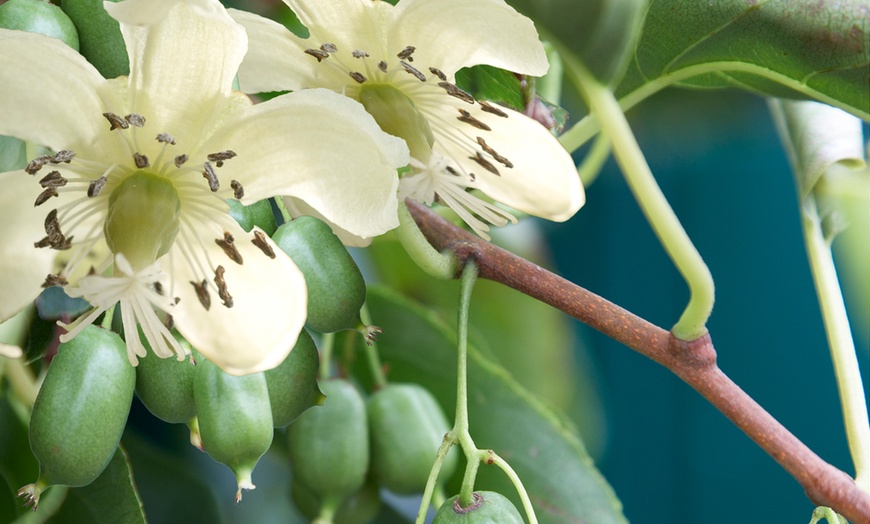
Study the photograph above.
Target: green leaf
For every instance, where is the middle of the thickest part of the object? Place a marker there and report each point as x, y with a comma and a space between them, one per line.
797, 48
564, 485
493, 84
99, 36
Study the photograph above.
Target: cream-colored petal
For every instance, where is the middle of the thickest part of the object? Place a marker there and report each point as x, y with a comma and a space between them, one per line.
452, 34
182, 67
270, 303
357, 23
48, 92
299, 208
139, 12
320, 147
24, 267
543, 180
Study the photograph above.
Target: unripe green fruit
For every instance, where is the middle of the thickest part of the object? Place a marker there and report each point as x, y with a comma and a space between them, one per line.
165, 386
488, 507
235, 420
99, 35
257, 214
293, 384
39, 16
359, 508
81, 410
406, 427
336, 289
329, 445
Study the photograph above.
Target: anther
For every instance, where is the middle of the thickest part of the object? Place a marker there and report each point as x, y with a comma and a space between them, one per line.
37, 163
359, 53
135, 120
141, 161
116, 121
64, 155
451, 171
405, 54
504, 161
54, 280
166, 138
96, 186
489, 108
53, 179
413, 71
259, 240
357, 76
485, 163
465, 116
454, 91
209, 174
437, 72
202, 293
319, 54
222, 287
227, 244
382, 66
170, 323
45, 242
158, 288
238, 190
55, 237
180, 160
221, 156
44, 196
329, 48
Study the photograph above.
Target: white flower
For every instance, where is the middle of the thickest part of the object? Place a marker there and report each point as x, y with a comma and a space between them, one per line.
143, 168
399, 62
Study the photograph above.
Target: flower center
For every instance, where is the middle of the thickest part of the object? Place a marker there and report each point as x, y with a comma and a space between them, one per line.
143, 218
397, 115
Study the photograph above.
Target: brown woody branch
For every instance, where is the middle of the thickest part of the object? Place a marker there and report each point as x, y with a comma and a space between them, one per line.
694, 362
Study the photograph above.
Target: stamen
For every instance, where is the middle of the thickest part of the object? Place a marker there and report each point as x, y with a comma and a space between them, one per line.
437, 72
37, 163
485, 163
44, 196
504, 161
53, 179
141, 161
54, 280
357, 76
202, 293
451, 170
226, 243
166, 138
221, 156
413, 71
96, 186
329, 48
209, 174
45, 242
382, 66
259, 240
64, 155
158, 287
238, 190
466, 117
318, 54
116, 121
222, 287
454, 91
56, 238
180, 160
359, 53
135, 120
405, 54
489, 108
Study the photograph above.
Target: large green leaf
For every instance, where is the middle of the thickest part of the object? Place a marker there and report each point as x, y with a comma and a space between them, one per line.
797, 48
564, 485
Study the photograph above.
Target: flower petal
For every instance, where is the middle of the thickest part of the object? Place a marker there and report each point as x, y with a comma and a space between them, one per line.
139, 12
543, 180
182, 66
452, 34
299, 208
24, 268
344, 22
320, 147
49, 91
269, 307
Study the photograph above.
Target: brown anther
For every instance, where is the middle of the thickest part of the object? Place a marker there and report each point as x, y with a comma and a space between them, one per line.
502, 160
96, 186
357, 76
45, 242
169, 322
329, 48
238, 190
359, 53
465, 116
437, 72
158, 288
382, 66
222, 287
221, 156
485, 163
36, 164
180, 160
259, 240
319, 54
44, 196
202, 293
52, 228
53, 179
405, 54
141, 161
64, 156
413, 71
209, 174
489, 108
135, 120
54, 280
227, 244
451, 171
116, 121
454, 91
166, 138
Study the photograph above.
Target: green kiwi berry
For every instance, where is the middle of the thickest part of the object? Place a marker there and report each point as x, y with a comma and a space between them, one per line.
487, 507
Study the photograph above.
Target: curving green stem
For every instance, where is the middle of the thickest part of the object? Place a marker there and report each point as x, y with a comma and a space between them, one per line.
493, 458
372, 355
460, 426
605, 107
439, 265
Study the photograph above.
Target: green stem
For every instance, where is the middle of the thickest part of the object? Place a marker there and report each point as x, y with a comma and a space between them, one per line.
326, 345
372, 355
518, 484
107, 319
429, 491
460, 427
825, 513
589, 169
842, 346
439, 265
652, 201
